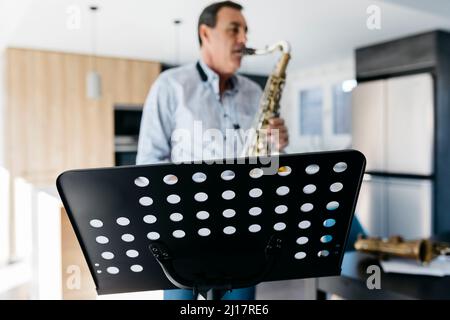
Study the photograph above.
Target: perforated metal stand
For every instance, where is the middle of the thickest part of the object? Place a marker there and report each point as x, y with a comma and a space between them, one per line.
213, 227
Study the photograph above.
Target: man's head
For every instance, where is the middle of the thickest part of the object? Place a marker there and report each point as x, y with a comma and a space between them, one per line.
222, 33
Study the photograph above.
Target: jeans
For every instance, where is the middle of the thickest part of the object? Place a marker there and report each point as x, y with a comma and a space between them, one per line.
236, 294
249, 293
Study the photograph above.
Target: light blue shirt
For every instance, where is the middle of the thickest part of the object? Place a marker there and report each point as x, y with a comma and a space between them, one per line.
185, 119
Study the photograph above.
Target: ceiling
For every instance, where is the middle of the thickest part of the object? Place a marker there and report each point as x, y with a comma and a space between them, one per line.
319, 31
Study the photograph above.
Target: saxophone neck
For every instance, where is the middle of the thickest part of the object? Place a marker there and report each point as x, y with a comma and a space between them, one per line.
280, 69
284, 46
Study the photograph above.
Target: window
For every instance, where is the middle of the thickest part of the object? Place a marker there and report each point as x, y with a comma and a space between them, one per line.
342, 107
311, 105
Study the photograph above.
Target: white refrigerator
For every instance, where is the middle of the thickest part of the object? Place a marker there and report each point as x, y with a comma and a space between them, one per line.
393, 125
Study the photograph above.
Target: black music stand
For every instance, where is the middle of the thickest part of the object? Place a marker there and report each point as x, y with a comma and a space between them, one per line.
213, 227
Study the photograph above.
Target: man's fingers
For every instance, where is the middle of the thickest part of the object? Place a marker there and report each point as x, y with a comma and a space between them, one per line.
275, 122
281, 130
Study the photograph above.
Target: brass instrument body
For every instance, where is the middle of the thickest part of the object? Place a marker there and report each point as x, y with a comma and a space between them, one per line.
422, 250
270, 100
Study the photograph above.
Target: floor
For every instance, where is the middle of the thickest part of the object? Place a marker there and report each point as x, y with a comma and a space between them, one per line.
282, 290
20, 293
276, 290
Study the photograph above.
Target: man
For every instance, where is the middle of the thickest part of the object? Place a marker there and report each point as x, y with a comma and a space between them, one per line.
185, 103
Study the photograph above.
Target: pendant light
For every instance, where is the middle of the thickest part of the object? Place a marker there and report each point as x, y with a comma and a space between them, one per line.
93, 79
177, 24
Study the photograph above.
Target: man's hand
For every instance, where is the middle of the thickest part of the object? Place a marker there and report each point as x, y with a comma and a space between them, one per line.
278, 124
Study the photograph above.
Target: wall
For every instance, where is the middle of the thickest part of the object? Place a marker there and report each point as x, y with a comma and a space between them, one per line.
2, 107
324, 76
4, 176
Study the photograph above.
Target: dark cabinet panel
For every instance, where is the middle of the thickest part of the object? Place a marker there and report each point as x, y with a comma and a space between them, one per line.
395, 57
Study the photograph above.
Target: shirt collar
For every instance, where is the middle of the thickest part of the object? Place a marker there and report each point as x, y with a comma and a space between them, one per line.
208, 75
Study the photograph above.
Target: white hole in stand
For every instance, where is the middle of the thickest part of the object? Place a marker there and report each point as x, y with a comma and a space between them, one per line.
300, 255
150, 219
310, 188
176, 217
153, 235
122, 221
282, 191
201, 197
173, 199
107, 255
170, 179
127, 237
255, 211
280, 226
136, 268
302, 240
204, 232
255, 193
178, 234
323, 253
202, 215
102, 239
281, 209
229, 213
256, 173
254, 228
132, 253
227, 175
229, 230
141, 182
305, 224
329, 223
146, 201
333, 205
336, 187
312, 169
284, 171
340, 167
306, 207
325, 239
95, 223
97, 265
228, 195
112, 270
199, 177
99, 271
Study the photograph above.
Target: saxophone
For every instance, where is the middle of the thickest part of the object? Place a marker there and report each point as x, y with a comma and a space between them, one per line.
422, 250
257, 143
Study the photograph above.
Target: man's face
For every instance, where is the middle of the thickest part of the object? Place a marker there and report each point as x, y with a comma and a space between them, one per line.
225, 41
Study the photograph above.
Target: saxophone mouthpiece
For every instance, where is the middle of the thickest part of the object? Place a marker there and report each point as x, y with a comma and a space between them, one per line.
248, 51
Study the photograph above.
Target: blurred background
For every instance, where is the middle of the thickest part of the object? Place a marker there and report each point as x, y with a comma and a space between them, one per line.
369, 75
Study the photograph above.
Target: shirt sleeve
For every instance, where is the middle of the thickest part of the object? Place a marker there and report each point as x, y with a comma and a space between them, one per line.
156, 125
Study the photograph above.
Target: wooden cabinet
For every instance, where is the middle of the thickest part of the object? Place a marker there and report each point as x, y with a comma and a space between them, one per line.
51, 124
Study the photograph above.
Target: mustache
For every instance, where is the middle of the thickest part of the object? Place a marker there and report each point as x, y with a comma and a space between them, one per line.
238, 49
